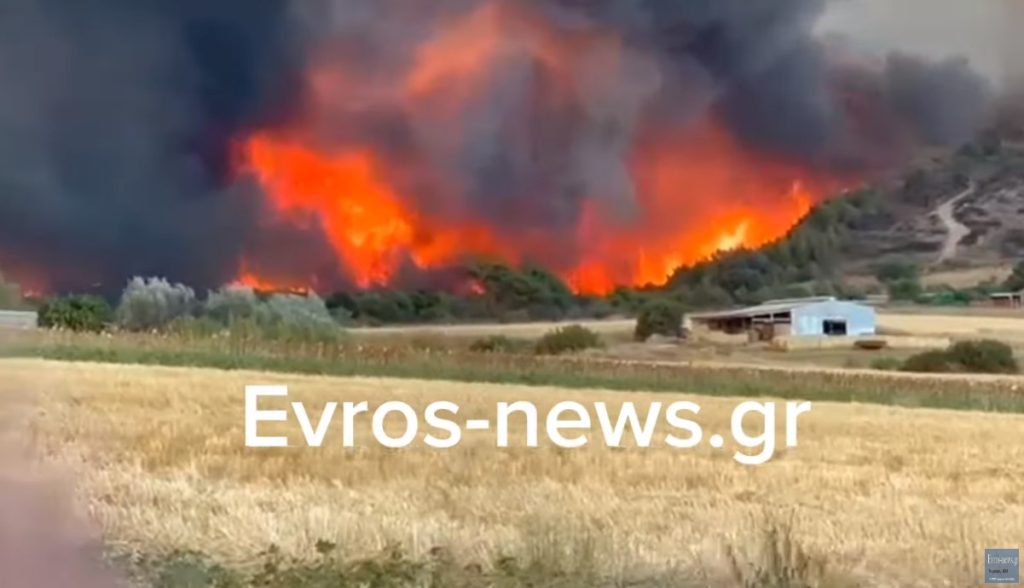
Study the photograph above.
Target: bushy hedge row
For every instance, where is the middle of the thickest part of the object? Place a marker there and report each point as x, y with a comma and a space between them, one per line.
498, 293
976, 357
568, 339
154, 304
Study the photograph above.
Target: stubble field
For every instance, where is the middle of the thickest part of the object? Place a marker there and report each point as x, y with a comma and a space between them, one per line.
879, 496
915, 321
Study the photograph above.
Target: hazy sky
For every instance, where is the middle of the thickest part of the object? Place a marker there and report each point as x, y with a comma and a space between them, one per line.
982, 30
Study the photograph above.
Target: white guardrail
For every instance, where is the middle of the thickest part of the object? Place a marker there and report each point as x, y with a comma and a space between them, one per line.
16, 319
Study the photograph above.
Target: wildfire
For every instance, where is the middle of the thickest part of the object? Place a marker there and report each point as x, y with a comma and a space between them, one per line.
249, 279
733, 239
698, 196
697, 190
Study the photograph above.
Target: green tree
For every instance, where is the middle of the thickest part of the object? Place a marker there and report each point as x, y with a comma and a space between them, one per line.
568, 339
1015, 282
430, 307
906, 290
153, 303
659, 317
82, 313
384, 307
535, 292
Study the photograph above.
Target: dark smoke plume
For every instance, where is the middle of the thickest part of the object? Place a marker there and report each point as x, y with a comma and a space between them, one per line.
118, 117
114, 126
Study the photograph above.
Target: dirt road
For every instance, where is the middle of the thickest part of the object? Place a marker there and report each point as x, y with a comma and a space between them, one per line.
956, 230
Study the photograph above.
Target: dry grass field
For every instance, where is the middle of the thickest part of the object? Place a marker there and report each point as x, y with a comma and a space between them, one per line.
888, 496
936, 323
924, 322
969, 277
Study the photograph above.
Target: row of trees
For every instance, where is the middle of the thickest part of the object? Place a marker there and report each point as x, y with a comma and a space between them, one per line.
504, 293
154, 304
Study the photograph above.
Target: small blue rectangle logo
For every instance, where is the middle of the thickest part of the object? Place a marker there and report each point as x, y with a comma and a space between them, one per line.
1002, 566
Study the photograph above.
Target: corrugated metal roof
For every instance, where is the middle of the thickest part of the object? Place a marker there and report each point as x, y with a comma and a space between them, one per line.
773, 307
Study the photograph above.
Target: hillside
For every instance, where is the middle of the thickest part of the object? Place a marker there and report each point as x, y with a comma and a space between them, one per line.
955, 216
963, 210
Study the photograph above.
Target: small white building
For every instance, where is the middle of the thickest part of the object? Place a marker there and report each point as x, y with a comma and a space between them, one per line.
800, 317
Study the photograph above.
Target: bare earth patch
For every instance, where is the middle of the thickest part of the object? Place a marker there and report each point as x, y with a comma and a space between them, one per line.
898, 497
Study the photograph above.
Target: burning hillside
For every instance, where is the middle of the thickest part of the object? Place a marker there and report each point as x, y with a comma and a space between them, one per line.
346, 143
695, 196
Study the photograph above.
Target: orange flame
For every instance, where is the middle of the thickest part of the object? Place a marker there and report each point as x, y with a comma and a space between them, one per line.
249, 279
697, 196
698, 190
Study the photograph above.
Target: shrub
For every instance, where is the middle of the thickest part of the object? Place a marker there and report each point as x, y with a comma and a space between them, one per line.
153, 303
291, 316
567, 340
984, 356
281, 316
659, 317
1016, 280
75, 313
297, 318
384, 307
231, 303
950, 297
593, 307
896, 270
886, 364
530, 293
496, 344
934, 362
905, 290
430, 307
976, 357
201, 327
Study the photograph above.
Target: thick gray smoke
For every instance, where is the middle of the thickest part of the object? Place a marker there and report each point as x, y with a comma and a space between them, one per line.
988, 33
114, 122
117, 118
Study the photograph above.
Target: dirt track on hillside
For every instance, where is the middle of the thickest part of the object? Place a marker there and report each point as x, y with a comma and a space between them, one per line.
956, 230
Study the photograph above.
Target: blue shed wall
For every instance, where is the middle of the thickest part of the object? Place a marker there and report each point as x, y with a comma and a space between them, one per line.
809, 320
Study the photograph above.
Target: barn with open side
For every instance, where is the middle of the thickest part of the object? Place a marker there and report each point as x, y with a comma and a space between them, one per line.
803, 317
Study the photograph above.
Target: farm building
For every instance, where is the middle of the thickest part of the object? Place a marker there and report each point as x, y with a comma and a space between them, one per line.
1007, 299
13, 319
803, 317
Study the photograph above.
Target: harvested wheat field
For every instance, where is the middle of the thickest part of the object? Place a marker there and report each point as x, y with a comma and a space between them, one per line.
885, 496
1007, 325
